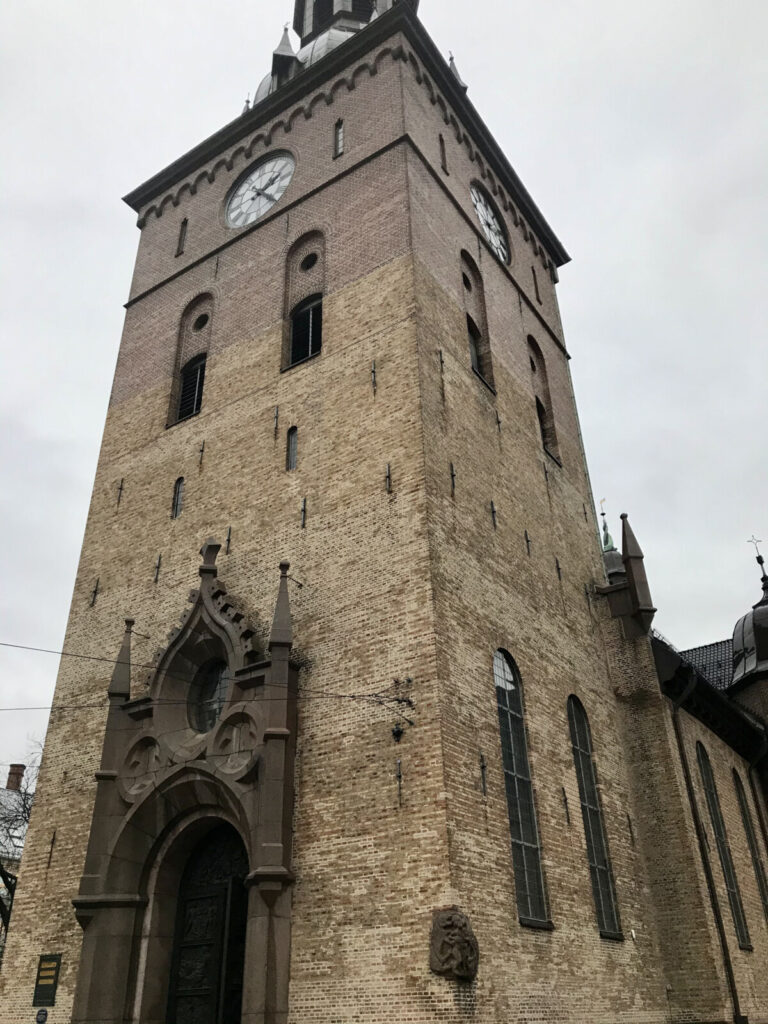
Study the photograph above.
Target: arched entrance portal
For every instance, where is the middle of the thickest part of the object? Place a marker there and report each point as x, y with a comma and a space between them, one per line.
209, 942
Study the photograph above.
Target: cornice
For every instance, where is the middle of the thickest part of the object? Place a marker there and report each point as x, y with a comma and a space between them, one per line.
263, 122
685, 686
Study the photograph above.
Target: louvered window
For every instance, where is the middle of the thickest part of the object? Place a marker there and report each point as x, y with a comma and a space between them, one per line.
523, 828
307, 329
754, 849
362, 8
178, 498
600, 871
723, 847
191, 393
292, 449
323, 14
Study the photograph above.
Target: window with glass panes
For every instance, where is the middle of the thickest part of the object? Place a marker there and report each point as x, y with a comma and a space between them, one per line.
600, 871
723, 847
754, 849
307, 329
524, 833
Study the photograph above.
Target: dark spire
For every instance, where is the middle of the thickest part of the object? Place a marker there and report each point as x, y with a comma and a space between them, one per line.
284, 60
750, 637
120, 683
614, 565
632, 556
763, 577
282, 625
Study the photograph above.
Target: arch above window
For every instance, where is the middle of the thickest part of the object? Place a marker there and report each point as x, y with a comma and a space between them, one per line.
304, 291
543, 399
473, 296
191, 353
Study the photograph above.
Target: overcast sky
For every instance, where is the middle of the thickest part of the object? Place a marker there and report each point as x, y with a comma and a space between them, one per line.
640, 130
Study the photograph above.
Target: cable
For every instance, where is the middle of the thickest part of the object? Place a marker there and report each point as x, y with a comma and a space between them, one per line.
377, 698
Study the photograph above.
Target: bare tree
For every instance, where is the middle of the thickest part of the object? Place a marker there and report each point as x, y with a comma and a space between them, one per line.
15, 811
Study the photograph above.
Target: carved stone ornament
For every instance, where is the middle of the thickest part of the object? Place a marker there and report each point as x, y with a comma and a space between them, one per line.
453, 949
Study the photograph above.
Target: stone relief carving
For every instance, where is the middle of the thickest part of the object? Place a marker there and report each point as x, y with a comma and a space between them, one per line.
453, 949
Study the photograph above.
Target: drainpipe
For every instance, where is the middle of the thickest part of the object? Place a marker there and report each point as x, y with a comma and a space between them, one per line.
701, 837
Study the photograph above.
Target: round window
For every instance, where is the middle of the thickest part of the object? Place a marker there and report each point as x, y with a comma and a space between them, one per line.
309, 261
207, 695
201, 322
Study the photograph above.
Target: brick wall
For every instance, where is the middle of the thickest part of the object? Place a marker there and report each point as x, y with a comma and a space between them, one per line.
415, 584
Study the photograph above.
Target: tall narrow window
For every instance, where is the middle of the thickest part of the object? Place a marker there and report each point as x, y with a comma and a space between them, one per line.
473, 295
475, 340
303, 301
191, 392
523, 829
536, 285
182, 237
723, 848
601, 873
307, 329
754, 849
540, 384
178, 498
338, 138
194, 340
443, 155
292, 449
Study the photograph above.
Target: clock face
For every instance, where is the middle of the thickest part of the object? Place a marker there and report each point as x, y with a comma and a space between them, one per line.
260, 189
491, 223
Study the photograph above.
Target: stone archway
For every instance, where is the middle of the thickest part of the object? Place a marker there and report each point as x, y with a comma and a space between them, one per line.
168, 779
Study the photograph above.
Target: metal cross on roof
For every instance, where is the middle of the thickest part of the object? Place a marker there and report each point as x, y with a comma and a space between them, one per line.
753, 540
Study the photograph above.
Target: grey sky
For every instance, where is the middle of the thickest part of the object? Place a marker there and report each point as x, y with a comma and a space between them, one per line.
640, 130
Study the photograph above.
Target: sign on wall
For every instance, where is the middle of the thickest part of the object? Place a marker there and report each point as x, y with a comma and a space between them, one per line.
47, 980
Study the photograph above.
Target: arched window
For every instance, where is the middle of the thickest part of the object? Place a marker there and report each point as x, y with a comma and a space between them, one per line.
754, 849
191, 390
523, 828
543, 399
207, 695
191, 353
306, 329
303, 303
723, 847
601, 873
178, 498
209, 944
292, 449
477, 321
338, 138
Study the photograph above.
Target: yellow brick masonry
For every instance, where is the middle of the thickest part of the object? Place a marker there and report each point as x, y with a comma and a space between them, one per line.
415, 583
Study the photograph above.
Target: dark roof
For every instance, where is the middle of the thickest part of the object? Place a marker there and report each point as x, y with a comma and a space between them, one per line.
714, 662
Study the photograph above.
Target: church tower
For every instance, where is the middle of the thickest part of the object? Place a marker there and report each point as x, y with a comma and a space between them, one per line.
361, 730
